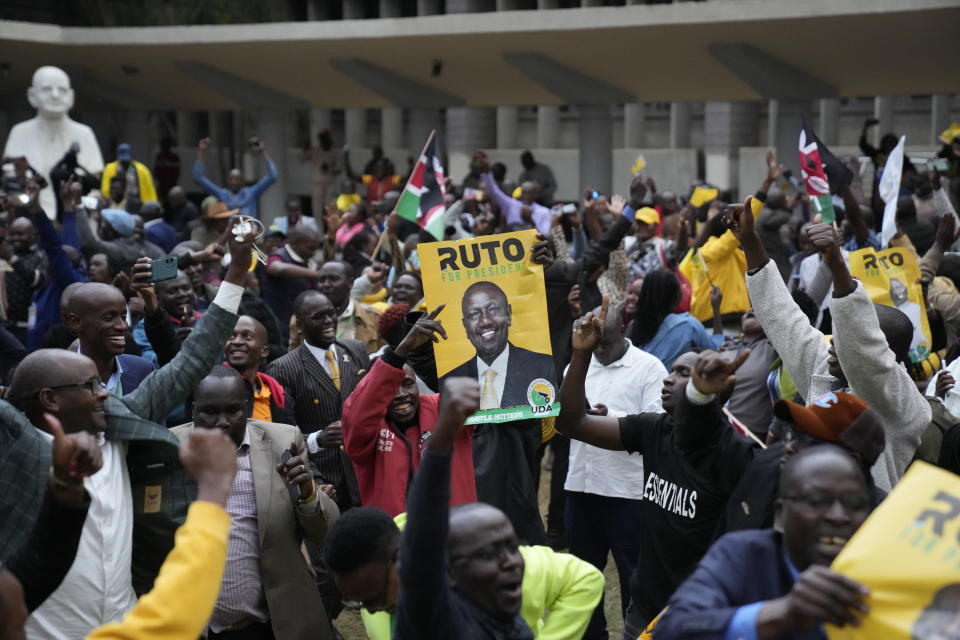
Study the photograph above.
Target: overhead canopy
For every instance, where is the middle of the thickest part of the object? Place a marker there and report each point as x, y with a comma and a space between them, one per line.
715, 50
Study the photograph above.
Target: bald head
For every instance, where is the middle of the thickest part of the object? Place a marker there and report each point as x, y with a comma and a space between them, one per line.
92, 296
47, 368
813, 461
67, 294
467, 519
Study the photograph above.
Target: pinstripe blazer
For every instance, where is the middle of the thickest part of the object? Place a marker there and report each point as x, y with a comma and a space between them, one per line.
318, 403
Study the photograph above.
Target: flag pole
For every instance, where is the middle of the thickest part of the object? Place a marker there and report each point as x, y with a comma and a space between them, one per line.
383, 234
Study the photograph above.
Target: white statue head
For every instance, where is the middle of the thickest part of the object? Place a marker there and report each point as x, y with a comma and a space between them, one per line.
51, 94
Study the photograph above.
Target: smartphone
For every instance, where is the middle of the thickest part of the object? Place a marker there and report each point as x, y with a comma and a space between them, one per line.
939, 164
294, 489
163, 269
90, 203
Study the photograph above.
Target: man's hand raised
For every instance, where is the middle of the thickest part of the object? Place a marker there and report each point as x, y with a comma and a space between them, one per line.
209, 456
713, 373
826, 241
241, 255
427, 329
459, 399
75, 456
541, 253
142, 285
587, 329
739, 219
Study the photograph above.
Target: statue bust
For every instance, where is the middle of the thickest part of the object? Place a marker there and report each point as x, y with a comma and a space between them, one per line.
45, 138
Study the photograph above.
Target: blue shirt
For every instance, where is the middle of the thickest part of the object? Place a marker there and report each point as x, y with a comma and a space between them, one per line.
679, 333
873, 240
247, 200
743, 624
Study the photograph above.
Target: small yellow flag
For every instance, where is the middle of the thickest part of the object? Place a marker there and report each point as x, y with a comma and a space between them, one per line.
638, 165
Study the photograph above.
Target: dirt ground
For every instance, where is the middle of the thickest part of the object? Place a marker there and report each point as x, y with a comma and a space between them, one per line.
350, 626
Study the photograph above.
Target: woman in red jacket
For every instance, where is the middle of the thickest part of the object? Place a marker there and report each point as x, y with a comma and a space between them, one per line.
386, 425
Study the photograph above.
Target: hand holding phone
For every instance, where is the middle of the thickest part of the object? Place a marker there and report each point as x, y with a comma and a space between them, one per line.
163, 269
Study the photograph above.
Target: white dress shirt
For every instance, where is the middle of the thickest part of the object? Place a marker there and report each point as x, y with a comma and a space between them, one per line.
98, 588
321, 355
500, 366
630, 385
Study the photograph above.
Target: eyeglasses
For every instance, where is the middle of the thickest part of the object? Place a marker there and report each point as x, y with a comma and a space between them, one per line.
323, 315
821, 502
380, 602
491, 553
92, 385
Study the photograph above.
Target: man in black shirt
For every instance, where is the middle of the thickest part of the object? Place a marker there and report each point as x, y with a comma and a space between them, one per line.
692, 460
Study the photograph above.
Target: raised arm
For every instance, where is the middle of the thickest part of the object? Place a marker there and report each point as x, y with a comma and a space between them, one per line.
270, 177
90, 244
199, 176
574, 421
424, 607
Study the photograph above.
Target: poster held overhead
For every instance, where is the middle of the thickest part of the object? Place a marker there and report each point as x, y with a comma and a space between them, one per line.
496, 321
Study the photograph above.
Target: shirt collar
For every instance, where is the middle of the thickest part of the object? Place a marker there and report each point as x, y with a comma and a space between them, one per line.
348, 312
622, 362
499, 364
111, 384
246, 441
293, 254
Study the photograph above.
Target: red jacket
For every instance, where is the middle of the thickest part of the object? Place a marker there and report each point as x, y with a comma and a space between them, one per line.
384, 457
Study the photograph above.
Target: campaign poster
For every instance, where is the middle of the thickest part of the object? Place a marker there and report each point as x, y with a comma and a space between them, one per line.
496, 323
907, 554
892, 277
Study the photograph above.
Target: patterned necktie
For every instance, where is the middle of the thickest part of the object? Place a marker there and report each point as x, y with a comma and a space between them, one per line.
488, 395
334, 369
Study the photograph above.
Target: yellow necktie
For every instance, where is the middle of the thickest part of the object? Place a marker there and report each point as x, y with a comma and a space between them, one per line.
488, 395
334, 369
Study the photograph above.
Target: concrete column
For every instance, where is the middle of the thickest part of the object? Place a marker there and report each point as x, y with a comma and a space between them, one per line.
633, 117
320, 119
318, 9
596, 148
468, 129
548, 4
271, 128
135, 131
939, 115
391, 128
783, 130
390, 9
509, 5
882, 111
592, 3
829, 125
422, 120
353, 10
187, 136
506, 127
679, 125
470, 6
548, 126
727, 127
356, 127
429, 7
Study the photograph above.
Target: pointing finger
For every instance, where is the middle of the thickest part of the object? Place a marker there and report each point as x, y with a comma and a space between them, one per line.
604, 306
436, 312
54, 424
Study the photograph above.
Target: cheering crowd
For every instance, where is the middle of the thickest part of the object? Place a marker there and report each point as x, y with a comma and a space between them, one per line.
234, 432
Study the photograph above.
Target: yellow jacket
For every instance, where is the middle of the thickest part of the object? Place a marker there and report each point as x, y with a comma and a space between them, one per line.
144, 178
185, 592
726, 267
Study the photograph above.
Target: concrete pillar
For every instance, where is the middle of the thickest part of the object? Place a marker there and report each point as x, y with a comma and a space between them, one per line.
429, 7
271, 128
356, 127
939, 115
353, 10
470, 6
548, 4
506, 127
633, 117
320, 119
422, 121
592, 3
390, 9
882, 111
509, 5
596, 148
318, 9
829, 125
727, 127
391, 128
187, 136
548, 126
679, 125
468, 129
783, 130
135, 131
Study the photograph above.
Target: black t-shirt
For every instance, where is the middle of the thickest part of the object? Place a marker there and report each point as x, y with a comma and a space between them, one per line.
688, 476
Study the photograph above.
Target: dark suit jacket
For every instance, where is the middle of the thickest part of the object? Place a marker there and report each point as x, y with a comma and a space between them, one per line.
318, 403
523, 366
739, 569
296, 610
135, 369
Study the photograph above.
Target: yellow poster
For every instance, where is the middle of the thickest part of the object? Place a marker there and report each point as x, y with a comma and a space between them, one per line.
908, 554
892, 277
703, 195
496, 322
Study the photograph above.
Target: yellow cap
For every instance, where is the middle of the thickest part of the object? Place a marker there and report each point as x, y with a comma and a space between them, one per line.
648, 215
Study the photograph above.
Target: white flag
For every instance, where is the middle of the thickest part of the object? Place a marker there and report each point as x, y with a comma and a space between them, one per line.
890, 191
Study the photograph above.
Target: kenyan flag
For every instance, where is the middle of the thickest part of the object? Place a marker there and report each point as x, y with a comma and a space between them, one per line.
823, 174
422, 199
